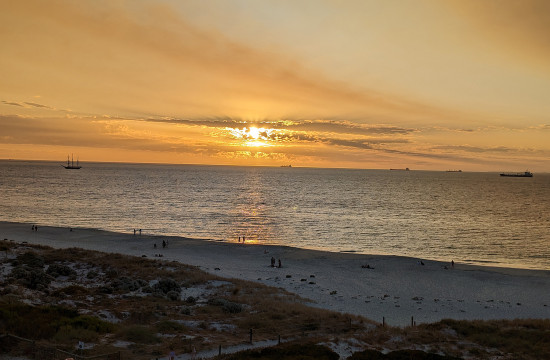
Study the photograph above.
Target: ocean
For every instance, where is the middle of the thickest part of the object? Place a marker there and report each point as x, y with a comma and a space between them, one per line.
477, 218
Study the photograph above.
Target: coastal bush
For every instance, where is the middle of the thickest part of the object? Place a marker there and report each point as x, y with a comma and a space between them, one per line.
287, 352
126, 284
166, 285
139, 334
226, 305
57, 270
141, 317
169, 327
530, 337
185, 310
71, 290
44, 322
67, 334
398, 355
31, 277
92, 274
30, 259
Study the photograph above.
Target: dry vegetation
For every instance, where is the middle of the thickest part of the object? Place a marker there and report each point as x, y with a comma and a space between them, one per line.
144, 307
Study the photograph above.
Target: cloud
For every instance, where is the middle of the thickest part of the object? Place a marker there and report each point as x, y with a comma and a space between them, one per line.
38, 105
519, 27
490, 149
333, 126
12, 103
148, 58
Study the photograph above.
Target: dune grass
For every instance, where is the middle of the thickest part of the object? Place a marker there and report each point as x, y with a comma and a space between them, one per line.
104, 298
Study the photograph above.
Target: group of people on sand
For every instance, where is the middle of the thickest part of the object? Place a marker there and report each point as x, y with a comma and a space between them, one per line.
452, 265
164, 245
243, 237
34, 228
273, 263
421, 262
136, 231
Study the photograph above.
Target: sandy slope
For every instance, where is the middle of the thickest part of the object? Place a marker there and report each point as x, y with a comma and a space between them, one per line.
397, 289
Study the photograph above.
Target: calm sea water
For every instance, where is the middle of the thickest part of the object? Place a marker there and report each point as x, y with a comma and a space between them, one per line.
480, 218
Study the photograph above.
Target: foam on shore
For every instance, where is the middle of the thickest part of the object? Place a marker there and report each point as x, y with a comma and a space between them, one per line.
398, 289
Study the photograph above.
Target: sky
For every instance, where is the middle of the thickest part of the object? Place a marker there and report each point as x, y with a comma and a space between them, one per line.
424, 84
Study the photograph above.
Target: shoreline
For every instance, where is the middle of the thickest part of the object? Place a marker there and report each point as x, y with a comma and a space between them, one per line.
398, 289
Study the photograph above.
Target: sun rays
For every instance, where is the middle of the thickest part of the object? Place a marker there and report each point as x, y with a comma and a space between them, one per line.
255, 136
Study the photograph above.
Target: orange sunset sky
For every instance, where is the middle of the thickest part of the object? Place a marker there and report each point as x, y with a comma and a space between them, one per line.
424, 84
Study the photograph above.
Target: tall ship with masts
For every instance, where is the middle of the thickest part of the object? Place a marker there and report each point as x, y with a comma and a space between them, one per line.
70, 163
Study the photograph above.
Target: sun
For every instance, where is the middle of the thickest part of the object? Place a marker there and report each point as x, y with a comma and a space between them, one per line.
254, 132
253, 136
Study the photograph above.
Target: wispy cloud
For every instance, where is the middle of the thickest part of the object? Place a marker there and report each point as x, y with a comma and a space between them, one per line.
12, 103
148, 58
27, 104
38, 105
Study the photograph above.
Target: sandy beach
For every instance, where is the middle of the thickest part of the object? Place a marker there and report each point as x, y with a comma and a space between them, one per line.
396, 289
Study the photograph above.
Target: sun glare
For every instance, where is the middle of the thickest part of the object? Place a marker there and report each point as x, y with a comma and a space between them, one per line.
254, 132
253, 136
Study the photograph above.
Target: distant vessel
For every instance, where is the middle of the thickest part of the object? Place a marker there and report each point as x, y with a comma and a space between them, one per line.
523, 174
454, 170
70, 164
286, 166
405, 169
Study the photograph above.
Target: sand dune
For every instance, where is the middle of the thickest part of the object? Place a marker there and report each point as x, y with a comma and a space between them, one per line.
398, 289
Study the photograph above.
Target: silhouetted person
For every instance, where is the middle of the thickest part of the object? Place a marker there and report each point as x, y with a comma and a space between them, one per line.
280, 263
272, 261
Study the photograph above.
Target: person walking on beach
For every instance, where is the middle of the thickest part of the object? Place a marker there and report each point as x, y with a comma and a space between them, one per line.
272, 261
280, 266
139, 232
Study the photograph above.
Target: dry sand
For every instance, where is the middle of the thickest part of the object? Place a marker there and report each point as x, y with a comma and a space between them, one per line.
397, 289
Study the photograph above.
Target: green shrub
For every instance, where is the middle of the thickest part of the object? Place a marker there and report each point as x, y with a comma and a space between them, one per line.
226, 305
30, 259
288, 352
31, 277
167, 326
139, 334
45, 322
57, 270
